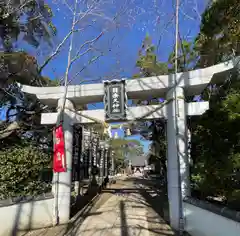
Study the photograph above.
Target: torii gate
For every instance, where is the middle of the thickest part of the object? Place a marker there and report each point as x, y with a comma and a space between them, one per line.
174, 87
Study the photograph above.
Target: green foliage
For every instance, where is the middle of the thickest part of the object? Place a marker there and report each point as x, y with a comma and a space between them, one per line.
125, 147
20, 170
119, 142
187, 57
149, 65
158, 146
49, 83
216, 147
29, 19
232, 104
219, 33
216, 134
147, 62
20, 68
21, 161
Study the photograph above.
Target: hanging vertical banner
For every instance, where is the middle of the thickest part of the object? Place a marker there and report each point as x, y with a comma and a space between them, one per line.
59, 158
115, 100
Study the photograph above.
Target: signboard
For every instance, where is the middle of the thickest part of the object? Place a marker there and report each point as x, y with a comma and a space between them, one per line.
102, 155
59, 158
94, 142
106, 161
77, 146
115, 100
95, 145
86, 152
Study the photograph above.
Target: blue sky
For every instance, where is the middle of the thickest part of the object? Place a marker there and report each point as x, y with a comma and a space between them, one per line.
121, 44
121, 40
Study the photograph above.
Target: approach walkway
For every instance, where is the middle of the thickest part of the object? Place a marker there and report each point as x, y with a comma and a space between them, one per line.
129, 210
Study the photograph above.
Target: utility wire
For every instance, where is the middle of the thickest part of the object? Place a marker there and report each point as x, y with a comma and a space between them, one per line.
68, 63
180, 223
176, 39
61, 114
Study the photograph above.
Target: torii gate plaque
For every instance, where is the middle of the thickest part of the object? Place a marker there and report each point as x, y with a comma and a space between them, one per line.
115, 100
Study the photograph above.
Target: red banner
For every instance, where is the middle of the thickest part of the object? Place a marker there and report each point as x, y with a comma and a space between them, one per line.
59, 159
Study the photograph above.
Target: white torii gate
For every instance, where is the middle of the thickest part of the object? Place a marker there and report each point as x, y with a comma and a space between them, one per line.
188, 83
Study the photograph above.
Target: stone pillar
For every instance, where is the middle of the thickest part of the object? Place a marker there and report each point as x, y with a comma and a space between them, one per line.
94, 149
76, 165
90, 156
106, 161
112, 163
62, 181
94, 158
101, 164
177, 160
189, 145
130, 167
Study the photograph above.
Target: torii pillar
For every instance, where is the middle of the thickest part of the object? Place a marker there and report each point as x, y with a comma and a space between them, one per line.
177, 158
62, 182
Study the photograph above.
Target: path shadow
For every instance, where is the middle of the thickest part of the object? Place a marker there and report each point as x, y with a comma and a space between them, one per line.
156, 199
82, 200
97, 198
155, 195
124, 226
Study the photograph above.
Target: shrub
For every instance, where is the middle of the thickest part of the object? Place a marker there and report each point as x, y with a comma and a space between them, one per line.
21, 168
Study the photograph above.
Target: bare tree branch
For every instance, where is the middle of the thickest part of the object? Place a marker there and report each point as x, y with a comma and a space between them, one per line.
89, 42
68, 6
93, 9
186, 15
197, 11
94, 59
17, 8
58, 49
73, 30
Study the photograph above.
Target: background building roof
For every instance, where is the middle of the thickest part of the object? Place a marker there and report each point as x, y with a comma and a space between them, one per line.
138, 160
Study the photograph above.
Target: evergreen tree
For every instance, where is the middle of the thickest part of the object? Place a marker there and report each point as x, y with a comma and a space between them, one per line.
30, 20
24, 146
149, 65
215, 135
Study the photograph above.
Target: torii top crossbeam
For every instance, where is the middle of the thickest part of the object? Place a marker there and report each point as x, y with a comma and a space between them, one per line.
194, 82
